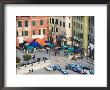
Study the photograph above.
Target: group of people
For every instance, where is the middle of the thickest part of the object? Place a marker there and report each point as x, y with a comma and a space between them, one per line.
76, 56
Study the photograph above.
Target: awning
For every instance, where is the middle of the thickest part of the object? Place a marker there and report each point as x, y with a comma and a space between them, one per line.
76, 38
29, 47
41, 41
35, 44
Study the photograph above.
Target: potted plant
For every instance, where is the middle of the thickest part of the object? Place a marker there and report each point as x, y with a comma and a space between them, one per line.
27, 57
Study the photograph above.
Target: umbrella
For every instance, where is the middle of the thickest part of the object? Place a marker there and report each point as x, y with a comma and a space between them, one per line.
50, 45
41, 41
41, 46
77, 50
70, 49
35, 44
64, 47
29, 47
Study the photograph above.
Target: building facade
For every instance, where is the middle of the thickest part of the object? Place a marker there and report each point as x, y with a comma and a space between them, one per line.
61, 27
91, 29
31, 27
83, 31
77, 30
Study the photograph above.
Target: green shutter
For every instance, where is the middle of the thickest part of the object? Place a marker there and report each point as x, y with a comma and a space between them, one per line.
63, 24
43, 31
22, 33
19, 24
33, 23
41, 22
26, 23
33, 32
26, 33
17, 33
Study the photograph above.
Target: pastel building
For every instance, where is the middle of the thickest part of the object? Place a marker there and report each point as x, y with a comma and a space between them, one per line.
77, 30
81, 32
61, 26
31, 27
56, 27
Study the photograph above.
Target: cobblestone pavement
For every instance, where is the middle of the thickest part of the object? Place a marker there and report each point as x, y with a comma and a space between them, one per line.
59, 59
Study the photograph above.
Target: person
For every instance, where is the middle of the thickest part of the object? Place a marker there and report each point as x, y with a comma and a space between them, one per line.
70, 56
47, 50
33, 57
55, 53
32, 70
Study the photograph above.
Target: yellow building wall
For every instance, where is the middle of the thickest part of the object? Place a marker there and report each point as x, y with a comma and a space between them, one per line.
85, 36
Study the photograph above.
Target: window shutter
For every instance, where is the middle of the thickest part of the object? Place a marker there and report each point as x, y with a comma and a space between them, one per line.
26, 23
19, 24
43, 31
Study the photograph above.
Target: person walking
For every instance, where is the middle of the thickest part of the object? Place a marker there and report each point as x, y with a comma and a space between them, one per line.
33, 57
55, 53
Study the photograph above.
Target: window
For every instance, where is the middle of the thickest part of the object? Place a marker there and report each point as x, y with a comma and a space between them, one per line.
82, 36
52, 21
56, 29
24, 33
39, 32
56, 21
43, 31
60, 23
81, 26
63, 24
19, 24
69, 17
26, 23
41, 22
17, 33
33, 32
91, 30
33, 23
69, 25
52, 29
76, 35
81, 18
76, 25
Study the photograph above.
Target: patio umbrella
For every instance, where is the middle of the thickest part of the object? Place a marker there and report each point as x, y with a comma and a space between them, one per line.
41, 41
29, 47
50, 45
64, 47
35, 44
70, 49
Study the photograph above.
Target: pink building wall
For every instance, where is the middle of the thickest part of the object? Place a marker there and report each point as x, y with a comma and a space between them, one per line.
37, 27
